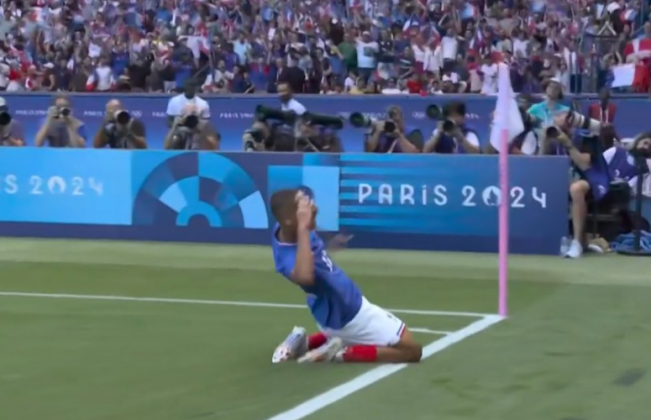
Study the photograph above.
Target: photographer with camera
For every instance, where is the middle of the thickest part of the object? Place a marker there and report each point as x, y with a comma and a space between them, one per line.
603, 175
272, 130
451, 134
191, 132
11, 131
178, 103
60, 128
318, 133
120, 130
390, 135
284, 130
570, 124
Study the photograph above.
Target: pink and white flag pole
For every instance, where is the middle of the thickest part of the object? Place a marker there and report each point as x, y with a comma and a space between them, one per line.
507, 124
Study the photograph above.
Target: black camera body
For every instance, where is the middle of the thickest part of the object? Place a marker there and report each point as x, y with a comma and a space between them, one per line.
122, 117
189, 121
62, 112
435, 112
5, 116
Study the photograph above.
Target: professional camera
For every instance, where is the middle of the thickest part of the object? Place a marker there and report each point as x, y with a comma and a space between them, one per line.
189, 121
359, 120
435, 112
5, 116
335, 123
576, 120
122, 117
62, 112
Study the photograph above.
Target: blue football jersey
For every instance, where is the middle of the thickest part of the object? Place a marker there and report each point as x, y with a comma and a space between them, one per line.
334, 299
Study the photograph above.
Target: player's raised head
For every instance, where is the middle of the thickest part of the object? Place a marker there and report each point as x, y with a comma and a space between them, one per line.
284, 204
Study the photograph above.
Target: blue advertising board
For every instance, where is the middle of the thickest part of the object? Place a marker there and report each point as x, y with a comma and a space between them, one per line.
435, 202
231, 115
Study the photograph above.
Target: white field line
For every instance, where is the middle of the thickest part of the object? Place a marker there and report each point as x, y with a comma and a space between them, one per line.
219, 302
335, 394
428, 331
375, 375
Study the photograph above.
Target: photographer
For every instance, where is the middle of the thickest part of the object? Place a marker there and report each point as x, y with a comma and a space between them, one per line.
392, 136
191, 132
11, 131
318, 133
570, 124
287, 101
60, 128
451, 134
120, 130
258, 138
278, 130
602, 174
178, 103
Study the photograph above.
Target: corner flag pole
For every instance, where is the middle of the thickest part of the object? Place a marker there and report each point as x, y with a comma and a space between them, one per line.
503, 231
507, 124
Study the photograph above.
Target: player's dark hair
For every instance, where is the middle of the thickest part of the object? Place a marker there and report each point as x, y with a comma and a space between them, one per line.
282, 203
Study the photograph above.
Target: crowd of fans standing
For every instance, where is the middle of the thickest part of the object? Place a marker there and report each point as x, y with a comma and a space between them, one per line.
317, 46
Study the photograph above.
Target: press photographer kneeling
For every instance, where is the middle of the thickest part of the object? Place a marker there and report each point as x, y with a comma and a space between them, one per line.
390, 135
120, 130
189, 132
277, 130
603, 174
451, 134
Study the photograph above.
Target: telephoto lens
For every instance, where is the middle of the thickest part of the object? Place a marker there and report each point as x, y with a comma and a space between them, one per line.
434, 112
122, 117
552, 132
359, 120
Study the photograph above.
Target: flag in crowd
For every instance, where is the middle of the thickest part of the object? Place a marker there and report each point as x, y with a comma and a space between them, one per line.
418, 46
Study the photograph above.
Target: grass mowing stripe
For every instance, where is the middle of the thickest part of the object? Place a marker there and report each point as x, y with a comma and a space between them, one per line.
220, 302
603, 270
342, 391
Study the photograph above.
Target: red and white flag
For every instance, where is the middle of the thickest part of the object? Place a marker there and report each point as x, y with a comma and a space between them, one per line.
640, 48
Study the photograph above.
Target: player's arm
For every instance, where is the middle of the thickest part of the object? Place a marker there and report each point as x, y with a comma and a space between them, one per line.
303, 272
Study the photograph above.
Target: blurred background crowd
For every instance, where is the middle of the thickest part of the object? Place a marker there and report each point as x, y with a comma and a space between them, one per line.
323, 46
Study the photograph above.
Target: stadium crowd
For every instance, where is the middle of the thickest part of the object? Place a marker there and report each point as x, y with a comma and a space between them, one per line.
317, 46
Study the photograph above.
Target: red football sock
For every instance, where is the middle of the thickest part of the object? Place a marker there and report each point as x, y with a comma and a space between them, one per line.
360, 354
316, 340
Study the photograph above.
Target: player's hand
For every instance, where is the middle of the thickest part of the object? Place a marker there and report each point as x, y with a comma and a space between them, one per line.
339, 241
304, 213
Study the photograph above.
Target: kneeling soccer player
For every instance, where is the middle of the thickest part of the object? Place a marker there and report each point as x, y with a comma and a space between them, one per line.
352, 328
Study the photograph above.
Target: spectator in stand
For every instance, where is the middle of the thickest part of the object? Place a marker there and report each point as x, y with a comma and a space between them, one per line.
158, 45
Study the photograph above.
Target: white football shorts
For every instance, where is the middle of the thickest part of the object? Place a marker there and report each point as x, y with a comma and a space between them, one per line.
372, 326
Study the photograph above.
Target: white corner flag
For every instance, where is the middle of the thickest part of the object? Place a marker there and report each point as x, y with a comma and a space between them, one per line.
507, 115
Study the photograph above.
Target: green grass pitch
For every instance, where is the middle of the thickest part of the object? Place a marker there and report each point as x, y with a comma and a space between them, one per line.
575, 346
